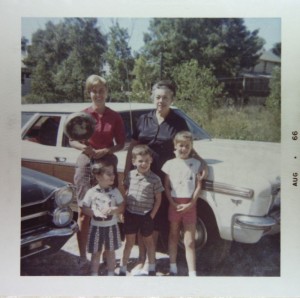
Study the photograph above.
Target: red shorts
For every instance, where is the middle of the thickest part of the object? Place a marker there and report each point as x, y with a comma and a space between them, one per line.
188, 217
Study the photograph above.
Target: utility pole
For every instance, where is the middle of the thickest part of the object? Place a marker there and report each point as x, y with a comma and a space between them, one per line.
161, 64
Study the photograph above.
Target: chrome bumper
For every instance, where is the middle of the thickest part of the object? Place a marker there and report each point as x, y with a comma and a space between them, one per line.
51, 240
250, 229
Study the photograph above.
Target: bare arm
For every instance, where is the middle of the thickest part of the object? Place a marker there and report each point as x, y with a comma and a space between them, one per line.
88, 211
98, 153
95, 153
156, 204
88, 150
197, 190
204, 167
168, 190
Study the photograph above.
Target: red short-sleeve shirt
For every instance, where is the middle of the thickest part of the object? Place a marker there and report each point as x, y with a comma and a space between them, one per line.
109, 127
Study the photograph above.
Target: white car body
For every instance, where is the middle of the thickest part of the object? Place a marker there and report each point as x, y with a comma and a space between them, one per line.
242, 189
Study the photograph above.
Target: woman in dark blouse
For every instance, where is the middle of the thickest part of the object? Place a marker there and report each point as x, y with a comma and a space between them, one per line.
157, 130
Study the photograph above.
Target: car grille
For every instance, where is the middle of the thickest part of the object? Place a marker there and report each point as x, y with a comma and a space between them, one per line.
36, 217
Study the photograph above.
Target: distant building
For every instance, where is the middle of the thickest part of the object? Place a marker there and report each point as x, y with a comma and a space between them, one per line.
253, 82
267, 61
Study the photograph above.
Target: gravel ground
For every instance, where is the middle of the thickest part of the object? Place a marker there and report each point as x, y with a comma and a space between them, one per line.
261, 259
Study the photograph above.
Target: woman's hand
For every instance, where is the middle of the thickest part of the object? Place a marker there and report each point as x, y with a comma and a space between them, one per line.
89, 151
100, 153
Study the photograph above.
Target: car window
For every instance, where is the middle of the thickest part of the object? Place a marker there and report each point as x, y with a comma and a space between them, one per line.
44, 131
198, 132
130, 119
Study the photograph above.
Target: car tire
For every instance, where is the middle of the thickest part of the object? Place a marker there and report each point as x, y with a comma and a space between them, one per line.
211, 249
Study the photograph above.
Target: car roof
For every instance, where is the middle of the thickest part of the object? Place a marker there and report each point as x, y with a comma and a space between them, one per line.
75, 107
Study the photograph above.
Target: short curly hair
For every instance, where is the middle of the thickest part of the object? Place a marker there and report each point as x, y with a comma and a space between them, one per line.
164, 84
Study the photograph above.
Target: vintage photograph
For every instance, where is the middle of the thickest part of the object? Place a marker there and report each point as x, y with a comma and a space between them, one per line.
147, 148
220, 77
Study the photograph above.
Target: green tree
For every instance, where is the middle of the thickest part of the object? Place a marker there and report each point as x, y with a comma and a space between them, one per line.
197, 89
277, 49
24, 43
273, 101
119, 62
145, 74
62, 56
223, 45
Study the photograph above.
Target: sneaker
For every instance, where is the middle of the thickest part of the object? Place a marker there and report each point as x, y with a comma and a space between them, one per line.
152, 273
122, 273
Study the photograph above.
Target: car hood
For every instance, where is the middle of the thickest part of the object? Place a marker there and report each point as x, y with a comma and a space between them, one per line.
37, 186
240, 163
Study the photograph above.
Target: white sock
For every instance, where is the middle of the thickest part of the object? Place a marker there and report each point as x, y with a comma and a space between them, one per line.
151, 267
173, 268
192, 273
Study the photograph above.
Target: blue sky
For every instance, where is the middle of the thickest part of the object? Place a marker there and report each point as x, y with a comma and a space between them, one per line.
269, 28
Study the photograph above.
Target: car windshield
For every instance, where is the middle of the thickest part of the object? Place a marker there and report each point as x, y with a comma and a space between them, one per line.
198, 132
25, 117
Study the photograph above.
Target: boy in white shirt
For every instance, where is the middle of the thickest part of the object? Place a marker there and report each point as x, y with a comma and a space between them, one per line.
182, 188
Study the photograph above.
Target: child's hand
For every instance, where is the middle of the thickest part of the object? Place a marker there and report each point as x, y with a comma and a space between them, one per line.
99, 213
200, 176
121, 217
184, 207
112, 210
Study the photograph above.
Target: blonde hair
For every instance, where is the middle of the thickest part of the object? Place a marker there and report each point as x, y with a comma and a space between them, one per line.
183, 136
94, 80
141, 150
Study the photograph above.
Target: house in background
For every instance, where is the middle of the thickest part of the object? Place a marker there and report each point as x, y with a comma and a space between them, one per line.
252, 85
267, 61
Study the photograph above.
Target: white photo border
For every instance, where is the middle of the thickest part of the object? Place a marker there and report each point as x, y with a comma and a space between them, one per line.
11, 283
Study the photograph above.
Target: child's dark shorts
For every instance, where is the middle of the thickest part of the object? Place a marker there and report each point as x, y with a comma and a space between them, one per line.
109, 237
135, 222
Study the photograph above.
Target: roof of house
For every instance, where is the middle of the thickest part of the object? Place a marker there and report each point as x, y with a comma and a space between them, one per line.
270, 56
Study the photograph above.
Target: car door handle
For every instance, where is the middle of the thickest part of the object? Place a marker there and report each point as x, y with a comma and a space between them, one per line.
60, 159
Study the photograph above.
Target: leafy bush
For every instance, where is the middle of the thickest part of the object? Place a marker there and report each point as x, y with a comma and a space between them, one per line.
253, 123
197, 88
273, 102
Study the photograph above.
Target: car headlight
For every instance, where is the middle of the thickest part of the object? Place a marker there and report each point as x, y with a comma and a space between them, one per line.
64, 196
62, 216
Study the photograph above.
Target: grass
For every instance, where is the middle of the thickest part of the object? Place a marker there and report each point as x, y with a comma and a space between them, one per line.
253, 123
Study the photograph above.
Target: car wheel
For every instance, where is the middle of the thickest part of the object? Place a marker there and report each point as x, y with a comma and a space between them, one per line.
211, 249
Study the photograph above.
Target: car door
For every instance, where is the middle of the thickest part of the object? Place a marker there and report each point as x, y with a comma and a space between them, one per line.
43, 148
